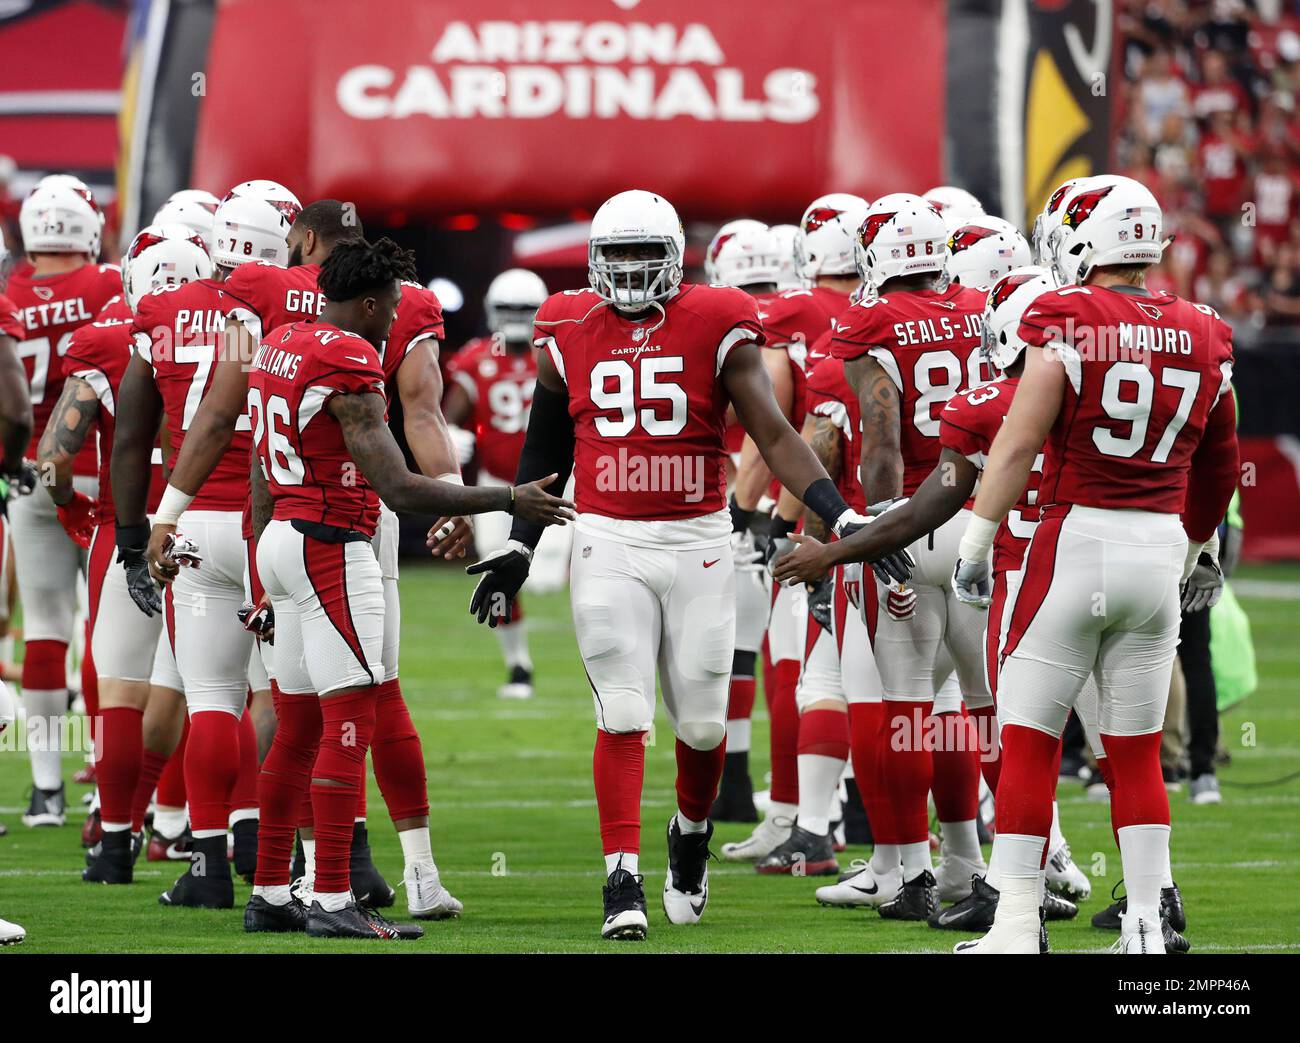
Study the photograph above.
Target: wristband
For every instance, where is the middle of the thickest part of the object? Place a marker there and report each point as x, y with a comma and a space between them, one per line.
977, 539
781, 528
172, 506
132, 536
522, 549
824, 500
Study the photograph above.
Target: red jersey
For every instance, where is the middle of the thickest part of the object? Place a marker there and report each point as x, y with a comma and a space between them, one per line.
418, 318
968, 424
115, 309
648, 412
793, 320
50, 308
927, 342
499, 383
1143, 373
179, 331
311, 475
263, 295
99, 353
828, 394
11, 323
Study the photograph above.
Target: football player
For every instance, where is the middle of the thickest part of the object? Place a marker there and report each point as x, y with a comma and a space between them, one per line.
62, 290
632, 390
955, 205
983, 250
491, 388
792, 320
1130, 391
315, 394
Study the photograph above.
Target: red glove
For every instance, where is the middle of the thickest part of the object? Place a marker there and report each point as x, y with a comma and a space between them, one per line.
901, 602
77, 517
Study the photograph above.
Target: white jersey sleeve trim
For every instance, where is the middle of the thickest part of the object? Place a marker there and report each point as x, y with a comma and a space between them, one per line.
557, 356
837, 414
1069, 358
99, 384
468, 383
313, 401
736, 335
889, 364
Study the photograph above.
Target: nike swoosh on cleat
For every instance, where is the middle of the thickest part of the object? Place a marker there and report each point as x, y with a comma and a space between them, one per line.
698, 909
874, 889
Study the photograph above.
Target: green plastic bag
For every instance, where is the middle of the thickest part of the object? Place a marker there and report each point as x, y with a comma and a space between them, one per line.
1232, 651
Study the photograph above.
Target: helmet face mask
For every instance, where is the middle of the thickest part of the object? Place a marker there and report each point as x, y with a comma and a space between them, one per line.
511, 304
635, 251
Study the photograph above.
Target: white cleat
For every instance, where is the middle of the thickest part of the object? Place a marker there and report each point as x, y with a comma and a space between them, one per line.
1139, 937
11, 933
303, 890
1016, 936
1065, 878
865, 888
953, 876
686, 885
519, 686
426, 898
768, 835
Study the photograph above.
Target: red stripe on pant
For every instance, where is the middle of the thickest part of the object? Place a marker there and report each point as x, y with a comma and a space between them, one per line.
100, 559
618, 770
255, 588
326, 566
993, 632
1040, 564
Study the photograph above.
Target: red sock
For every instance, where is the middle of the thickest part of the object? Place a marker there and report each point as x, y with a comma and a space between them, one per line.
1139, 796
740, 698
1029, 759
907, 768
698, 775
618, 768
956, 784
1107, 776
90, 684
211, 766
824, 733
986, 730
866, 722
171, 783
348, 724
398, 756
784, 713
45, 665
151, 767
118, 753
283, 782
244, 794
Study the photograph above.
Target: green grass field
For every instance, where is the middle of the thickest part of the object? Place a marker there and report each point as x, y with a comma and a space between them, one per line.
515, 823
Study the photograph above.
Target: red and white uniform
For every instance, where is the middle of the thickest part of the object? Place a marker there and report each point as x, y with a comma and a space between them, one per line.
500, 385
314, 557
927, 343
652, 577
1143, 411
50, 309
10, 326
179, 331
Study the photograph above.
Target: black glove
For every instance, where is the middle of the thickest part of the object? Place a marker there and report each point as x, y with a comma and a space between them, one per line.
778, 543
258, 620
503, 574
819, 601
139, 584
20, 483
895, 566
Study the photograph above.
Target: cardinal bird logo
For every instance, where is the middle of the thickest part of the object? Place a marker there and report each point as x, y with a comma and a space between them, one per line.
871, 228
1082, 206
717, 247
1006, 287
141, 243
822, 215
290, 210
967, 236
1057, 197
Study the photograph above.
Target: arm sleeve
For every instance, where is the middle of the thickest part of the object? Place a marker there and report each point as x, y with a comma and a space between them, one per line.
548, 448
1212, 479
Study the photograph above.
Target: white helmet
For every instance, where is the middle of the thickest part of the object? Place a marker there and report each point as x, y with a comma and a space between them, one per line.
1106, 220
750, 257
827, 232
720, 237
1000, 341
983, 250
247, 228
195, 216
1050, 220
61, 218
786, 237
902, 234
162, 255
512, 301
195, 195
955, 205
271, 192
631, 218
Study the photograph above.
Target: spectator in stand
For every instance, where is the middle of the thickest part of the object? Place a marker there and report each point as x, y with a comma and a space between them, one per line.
1161, 92
1282, 296
1221, 165
1221, 288
1273, 195
1217, 92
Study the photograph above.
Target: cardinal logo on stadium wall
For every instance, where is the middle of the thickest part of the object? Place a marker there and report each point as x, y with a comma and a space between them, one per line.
821, 216
967, 236
1082, 206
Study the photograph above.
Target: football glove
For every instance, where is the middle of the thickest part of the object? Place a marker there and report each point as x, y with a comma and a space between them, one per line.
139, 584
819, 601
852, 580
900, 602
504, 572
1203, 588
778, 544
972, 583
258, 620
20, 483
77, 517
182, 550
744, 554
895, 567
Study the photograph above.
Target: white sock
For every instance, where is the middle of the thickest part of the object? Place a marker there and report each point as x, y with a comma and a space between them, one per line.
819, 778
170, 822
276, 894
776, 810
45, 710
1144, 850
204, 834
514, 645
687, 825
738, 734
629, 860
360, 820
916, 859
115, 827
1018, 856
961, 839
243, 815
333, 901
993, 874
885, 859
309, 859
416, 846
1167, 877
1055, 838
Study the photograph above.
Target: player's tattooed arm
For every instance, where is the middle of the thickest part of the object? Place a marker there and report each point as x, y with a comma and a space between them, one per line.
213, 426
829, 446
375, 452
15, 406
139, 411
881, 467
262, 504
76, 412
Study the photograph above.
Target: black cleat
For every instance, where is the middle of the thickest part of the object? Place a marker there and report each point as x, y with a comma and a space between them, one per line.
802, 854
406, 932
1108, 919
1044, 944
1171, 906
261, 917
48, 807
137, 846
369, 887
206, 884
348, 922
686, 889
735, 801
917, 899
1175, 943
1057, 908
625, 918
973, 913
245, 833
112, 860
